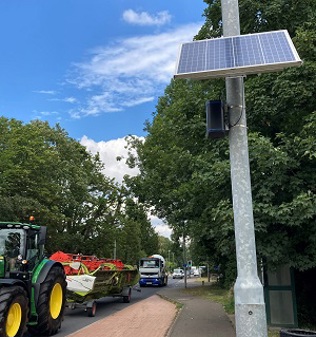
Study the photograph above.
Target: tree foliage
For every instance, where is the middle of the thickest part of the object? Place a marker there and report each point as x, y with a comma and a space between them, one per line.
45, 173
186, 177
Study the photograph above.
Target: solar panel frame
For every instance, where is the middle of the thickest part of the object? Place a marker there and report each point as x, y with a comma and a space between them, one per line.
237, 55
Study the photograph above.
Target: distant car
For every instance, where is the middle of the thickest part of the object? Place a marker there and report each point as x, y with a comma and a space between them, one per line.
178, 273
196, 272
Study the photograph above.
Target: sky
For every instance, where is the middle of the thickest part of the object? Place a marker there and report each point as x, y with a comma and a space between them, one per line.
96, 67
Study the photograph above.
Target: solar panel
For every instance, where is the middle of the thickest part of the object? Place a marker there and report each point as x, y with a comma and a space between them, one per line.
237, 55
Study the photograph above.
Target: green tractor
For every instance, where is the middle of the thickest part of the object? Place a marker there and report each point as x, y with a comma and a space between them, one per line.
32, 287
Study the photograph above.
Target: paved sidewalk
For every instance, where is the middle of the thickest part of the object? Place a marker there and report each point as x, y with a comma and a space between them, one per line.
150, 317
158, 316
198, 317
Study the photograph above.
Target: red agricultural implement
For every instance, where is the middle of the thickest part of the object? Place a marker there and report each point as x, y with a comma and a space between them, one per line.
90, 278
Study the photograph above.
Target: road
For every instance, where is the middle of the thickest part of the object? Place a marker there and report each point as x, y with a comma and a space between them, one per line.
78, 318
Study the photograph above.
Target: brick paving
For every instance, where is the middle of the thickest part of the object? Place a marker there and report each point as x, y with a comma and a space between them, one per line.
151, 317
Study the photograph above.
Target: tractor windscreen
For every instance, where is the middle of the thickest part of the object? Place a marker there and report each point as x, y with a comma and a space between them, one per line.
12, 243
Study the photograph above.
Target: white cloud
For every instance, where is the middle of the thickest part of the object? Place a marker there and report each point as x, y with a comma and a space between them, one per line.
138, 101
71, 100
47, 92
145, 19
109, 151
99, 103
41, 114
130, 71
160, 227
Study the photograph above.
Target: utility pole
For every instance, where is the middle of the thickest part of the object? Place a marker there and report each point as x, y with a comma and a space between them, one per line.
114, 250
250, 312
184, 261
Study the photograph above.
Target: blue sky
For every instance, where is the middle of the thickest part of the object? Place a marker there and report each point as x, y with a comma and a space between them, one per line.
96, 67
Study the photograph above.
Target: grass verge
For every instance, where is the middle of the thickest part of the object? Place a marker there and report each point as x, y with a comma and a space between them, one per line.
214, 293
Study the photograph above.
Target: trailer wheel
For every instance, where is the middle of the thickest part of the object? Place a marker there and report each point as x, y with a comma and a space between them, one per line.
13, 311
127, 299
51, 303
92, 309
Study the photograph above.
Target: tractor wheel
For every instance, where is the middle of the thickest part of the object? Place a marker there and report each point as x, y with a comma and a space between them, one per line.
51, 303
13, 311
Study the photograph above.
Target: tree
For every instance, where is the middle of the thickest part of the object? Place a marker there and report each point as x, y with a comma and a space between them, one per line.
137, 237
179, 167
186, 178
45, 173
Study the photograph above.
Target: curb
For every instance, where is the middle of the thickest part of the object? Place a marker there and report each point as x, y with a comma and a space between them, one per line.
179, 307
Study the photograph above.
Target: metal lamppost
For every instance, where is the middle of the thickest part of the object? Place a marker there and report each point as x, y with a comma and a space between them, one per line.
233, 57
184, 261
250, 312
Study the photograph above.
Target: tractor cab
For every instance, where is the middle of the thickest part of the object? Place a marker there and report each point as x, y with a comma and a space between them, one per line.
32, 287
21, 248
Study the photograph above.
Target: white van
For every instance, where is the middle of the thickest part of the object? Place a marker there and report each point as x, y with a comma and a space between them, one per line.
178, 273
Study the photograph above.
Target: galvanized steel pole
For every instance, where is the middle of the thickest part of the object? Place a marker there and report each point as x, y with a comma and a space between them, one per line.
184, 261
249, 300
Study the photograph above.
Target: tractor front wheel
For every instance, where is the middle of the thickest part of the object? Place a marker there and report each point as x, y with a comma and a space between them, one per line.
51, 303
13, 311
